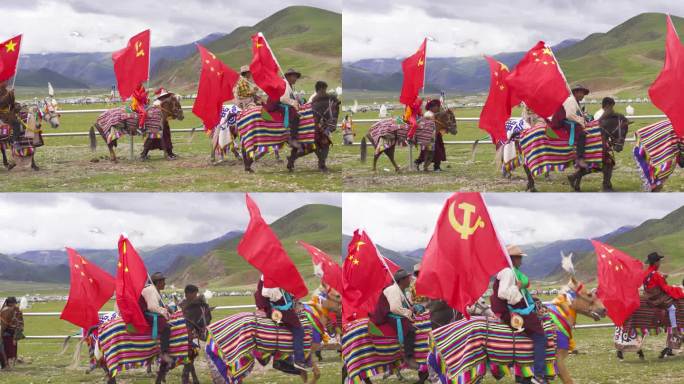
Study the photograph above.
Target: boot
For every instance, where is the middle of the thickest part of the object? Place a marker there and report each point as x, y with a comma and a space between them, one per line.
666, 353
620, 355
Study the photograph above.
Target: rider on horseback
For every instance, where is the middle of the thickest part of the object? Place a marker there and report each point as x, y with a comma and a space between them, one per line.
570, 116
511, 298
274, 301
289, 105
155, 310
245, 90
661, 295
394, 308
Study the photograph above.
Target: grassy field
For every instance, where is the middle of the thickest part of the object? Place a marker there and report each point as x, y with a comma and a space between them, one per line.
462, 172
67, 164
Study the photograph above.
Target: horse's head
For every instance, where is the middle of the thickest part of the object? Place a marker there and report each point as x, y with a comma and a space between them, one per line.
583, 301
614, 129
326, 111
49, 111
171, 105
197, 314
446, 120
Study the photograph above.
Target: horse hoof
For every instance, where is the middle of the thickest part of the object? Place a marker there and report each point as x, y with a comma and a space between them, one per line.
35, 168
10, 166
249, 170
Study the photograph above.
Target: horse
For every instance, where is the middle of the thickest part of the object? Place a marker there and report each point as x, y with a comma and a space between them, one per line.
540, 153
648, 318
657, 153
387, 133
462, 351
116, 122
31, 117
115, 350
224, 136
237, 341
318, 120
366, 353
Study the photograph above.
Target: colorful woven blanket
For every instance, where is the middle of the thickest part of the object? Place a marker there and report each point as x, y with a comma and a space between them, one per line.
366, 355
461, 351
543, 154
648, 317
116, 122
123, 351
259, 135
655, 153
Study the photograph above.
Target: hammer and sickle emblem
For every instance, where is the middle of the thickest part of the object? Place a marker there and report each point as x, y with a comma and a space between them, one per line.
420, 61
138, 49
465, 229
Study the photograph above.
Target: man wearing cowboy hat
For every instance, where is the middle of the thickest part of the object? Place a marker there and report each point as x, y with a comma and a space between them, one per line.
153, 306
660, 294
394, 306
289, 101
245, 90
163, 143
510, 296
570, 114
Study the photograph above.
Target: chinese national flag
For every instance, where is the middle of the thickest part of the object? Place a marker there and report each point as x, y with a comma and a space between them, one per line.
265, 69
215, 86
538, 81
261, 248
500, 101
132, 64
131, 276
619, 279
463, 254
89, 289
414, 75
9, 54
666, 91
332, 272
362, 278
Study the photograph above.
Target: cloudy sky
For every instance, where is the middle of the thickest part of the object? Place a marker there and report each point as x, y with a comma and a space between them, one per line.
87, 25
52, 221
405, 221
395, 28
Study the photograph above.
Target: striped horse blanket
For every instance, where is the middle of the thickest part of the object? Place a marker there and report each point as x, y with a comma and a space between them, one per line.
387, 133
462, 351
544, 154
656, 153
123, 351
366, 354
116, 122
235, 342
258, 135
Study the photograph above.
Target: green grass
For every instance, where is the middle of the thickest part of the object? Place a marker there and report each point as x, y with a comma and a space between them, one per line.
67, 164
461, 173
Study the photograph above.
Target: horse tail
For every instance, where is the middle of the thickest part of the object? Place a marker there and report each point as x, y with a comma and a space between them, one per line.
76, 359
93, 138
498, 157
65, 345
472, 151
364, 149
192, 135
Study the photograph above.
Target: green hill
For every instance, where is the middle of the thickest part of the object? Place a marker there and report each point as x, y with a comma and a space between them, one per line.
665, 235
627, 58
317, 224
305, 38
40, 78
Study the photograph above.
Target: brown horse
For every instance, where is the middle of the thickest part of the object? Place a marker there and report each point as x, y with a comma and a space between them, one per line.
386, 134
116, 122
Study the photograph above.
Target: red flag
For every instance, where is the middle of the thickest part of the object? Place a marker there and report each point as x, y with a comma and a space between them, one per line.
324, 264
131, 276
361, 278
463, 254
9, 55
538, 81
89, 289
132, 64
666, 92
500, 101
414, 75
261, 248
265, 69
619, 279
215, 86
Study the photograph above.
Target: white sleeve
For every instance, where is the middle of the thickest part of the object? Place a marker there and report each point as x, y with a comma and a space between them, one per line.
286, 99
395, 301
273, 294
152, 298
508, 290
572, 111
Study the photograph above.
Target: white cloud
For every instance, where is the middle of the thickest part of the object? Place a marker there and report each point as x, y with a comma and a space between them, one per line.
52, 221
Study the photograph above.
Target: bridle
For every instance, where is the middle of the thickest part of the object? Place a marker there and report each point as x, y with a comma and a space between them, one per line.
326, 119
201, 331
174, 112
611, 136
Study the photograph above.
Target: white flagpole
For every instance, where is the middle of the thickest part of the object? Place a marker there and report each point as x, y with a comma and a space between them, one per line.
16, 69
384, 263
563, 74
272, 54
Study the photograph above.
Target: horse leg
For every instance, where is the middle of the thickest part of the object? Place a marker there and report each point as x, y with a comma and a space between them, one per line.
322, 154
33, 163
429, 156
608, 165
291, 159
161, 375
193, 373
247, 161
110, 379
422, 377
185, 376
4, 156
112, 154
563, 372
375, 161
576, 179
530, 180
390, 153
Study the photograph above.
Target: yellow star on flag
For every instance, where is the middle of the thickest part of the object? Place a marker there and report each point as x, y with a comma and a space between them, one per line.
503, 67
547, 51
119, 264
10, 46
76, 266
126, 270
356, 261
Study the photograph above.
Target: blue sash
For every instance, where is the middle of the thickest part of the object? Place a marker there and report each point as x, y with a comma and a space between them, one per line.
571, 139
287, 305
400, 328
286, 115
154, 315
527, 310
